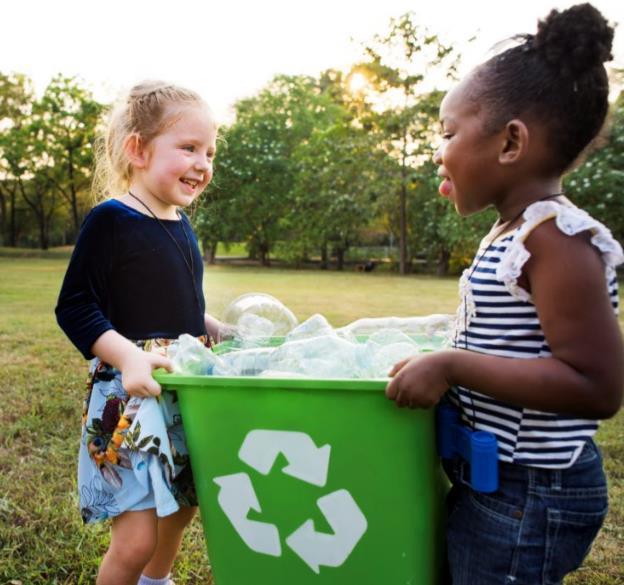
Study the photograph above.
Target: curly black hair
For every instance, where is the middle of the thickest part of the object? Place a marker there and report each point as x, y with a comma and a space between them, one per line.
556, 77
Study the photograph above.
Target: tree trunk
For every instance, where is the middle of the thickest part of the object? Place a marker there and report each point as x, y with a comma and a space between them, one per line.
213, 252
13, 226
3, 219
37, 204
442, 266
264, 255
340, 253
73, 195
210, 251
8, 214
74, 207
324, 257
403, 266
403, 231
43, 232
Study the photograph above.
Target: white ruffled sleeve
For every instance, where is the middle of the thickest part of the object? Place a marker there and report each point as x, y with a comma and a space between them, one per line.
570, 220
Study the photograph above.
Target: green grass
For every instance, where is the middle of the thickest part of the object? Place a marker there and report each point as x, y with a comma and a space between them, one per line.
60, 252
42, 540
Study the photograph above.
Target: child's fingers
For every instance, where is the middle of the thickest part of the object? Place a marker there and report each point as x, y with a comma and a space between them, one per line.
152, 387
160, 361
144, 390
398, 366
143, 387
392, 389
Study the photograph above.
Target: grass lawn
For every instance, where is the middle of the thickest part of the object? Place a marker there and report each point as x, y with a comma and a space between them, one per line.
42, 540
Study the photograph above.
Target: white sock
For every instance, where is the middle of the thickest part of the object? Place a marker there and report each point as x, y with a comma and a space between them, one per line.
149, 581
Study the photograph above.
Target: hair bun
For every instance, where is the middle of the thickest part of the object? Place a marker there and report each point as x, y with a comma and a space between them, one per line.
574, 40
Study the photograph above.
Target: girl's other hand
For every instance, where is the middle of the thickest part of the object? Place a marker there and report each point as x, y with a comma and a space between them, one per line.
136, 374
419, 382
227, 332
218, 330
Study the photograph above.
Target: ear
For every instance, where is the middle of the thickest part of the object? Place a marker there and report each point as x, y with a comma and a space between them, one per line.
515, 142
135, 151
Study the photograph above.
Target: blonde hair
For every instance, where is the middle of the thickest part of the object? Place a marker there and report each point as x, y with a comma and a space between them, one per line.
145, 111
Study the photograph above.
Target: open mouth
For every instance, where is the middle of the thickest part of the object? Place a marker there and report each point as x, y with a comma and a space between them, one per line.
190, 182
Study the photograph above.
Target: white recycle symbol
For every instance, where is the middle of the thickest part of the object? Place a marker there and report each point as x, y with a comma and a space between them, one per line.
308, 463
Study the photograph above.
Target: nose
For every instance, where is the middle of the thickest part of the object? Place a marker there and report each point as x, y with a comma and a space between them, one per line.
437, 156
202, 163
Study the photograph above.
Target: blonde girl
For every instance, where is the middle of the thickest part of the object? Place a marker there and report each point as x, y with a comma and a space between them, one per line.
134, 282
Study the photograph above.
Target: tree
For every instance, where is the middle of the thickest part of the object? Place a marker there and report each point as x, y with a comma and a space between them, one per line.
598, 184
252, 178
33, 168
46, 152
216, 217
339, 180
397, 66
254, 171
16, 96
68, 117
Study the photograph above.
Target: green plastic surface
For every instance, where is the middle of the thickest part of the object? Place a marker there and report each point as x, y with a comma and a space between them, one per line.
384, 457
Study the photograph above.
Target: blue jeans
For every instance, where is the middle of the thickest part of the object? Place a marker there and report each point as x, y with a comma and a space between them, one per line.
535, 529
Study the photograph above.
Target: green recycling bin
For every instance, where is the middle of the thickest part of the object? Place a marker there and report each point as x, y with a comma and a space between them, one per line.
320, 482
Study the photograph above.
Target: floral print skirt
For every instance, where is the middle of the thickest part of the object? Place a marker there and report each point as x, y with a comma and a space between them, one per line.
133, 453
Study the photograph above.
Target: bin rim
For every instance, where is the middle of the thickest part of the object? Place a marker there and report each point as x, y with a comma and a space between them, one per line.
184, 382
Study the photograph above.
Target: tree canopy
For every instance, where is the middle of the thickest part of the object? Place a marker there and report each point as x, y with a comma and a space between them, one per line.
310, 168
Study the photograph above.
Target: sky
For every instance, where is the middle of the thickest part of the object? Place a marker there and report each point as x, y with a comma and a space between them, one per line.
230, 49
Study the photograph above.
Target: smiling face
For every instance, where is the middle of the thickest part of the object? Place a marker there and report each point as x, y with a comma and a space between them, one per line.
176, 166
468, 158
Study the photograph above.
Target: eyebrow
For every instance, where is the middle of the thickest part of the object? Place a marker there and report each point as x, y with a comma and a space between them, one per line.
193, 141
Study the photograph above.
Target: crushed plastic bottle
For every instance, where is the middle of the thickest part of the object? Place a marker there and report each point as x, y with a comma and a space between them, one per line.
253, 330
191, 357
315, 326
244, 362
429, 332
386, 356
270, 343
326, 356
391, 337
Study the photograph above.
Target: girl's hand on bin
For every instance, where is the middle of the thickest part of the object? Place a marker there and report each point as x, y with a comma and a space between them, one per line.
419, 382
136, 374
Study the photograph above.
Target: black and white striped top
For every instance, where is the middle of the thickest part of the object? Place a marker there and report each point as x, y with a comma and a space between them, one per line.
497, 317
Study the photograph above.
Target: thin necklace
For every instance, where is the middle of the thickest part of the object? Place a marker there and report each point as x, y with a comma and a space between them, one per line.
498, 233
188, 262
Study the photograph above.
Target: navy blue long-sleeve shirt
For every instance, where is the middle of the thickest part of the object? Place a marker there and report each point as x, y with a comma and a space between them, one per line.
127, 274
